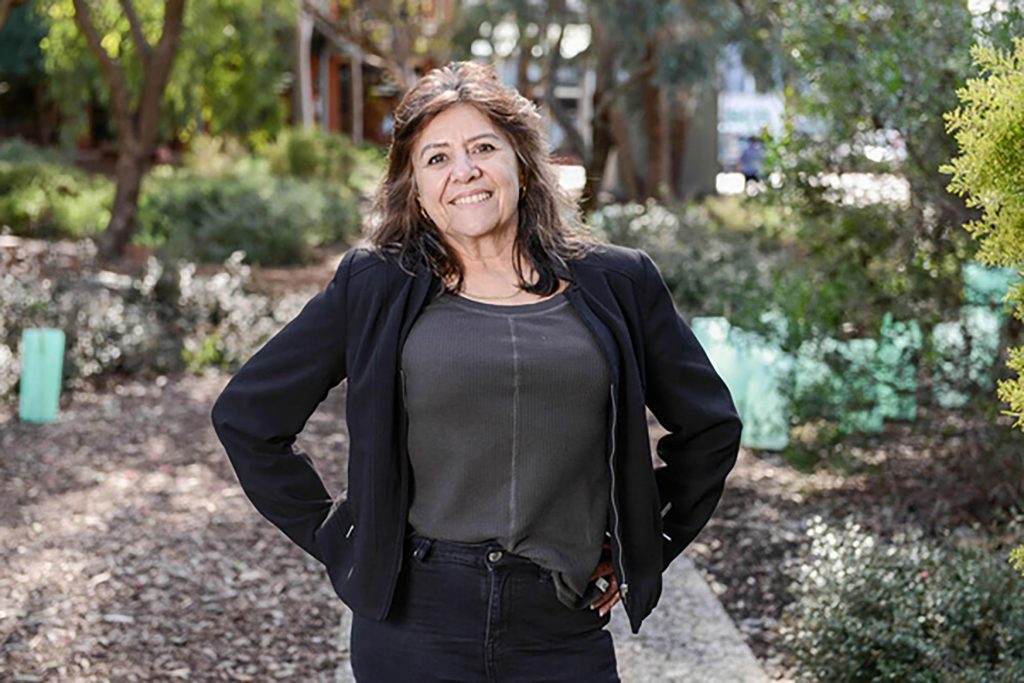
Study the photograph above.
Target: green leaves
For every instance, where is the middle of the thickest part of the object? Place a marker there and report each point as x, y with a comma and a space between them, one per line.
988, 127
227, 77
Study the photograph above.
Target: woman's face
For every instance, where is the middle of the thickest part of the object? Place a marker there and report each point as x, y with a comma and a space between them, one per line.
467, 176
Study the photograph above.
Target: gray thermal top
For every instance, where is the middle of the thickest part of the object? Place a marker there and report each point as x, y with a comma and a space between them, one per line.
507, 416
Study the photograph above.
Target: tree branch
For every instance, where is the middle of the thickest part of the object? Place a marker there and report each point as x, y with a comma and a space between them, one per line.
158, 71
138, 37
645, 71
572, 133
112, 71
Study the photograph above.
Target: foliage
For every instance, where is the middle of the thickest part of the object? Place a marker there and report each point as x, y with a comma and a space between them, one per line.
275, 220
229, 77
712, 265
169, 318
224, 200
910, 609
1017, 558
314, 153
867, 84
41, 196
989, 129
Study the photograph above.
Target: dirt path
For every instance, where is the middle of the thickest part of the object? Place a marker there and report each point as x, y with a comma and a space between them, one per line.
129, 552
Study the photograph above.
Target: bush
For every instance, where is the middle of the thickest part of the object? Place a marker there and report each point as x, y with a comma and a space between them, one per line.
166, 320
710, 267
313, 153
273, 220
906, 610
41, 195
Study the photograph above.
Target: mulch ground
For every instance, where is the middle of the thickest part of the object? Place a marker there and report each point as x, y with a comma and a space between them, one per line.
129, 553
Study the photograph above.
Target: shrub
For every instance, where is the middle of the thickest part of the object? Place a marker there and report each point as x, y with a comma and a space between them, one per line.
313, 153
990, 172
165, 320
273, 220
41, 195
710, 268
910, 609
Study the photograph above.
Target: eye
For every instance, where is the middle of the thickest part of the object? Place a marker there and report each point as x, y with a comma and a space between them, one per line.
436, 159
485, 147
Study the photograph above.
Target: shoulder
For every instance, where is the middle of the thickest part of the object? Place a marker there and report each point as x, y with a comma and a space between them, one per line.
369, 264
614, 260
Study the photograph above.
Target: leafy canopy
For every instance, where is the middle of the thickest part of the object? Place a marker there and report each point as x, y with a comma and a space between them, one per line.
228, 78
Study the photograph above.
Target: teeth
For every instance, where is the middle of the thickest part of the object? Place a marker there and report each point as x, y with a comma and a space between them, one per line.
473, 198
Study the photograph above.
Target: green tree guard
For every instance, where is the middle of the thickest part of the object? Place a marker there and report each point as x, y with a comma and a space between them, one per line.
750, 367
42, 364
897, 360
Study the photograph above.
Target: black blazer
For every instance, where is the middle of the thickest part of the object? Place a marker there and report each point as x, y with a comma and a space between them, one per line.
355, 329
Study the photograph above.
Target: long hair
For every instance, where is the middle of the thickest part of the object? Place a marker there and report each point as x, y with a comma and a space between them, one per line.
549, 232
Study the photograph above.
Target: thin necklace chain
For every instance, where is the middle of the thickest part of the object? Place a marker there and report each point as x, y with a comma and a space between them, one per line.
494, 298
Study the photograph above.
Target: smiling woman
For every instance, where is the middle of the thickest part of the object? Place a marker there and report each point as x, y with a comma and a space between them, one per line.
468, 182
501, 495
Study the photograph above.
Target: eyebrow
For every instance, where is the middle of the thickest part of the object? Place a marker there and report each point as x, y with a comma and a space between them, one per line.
432, 145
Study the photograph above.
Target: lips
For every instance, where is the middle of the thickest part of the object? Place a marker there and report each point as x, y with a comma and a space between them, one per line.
473, 198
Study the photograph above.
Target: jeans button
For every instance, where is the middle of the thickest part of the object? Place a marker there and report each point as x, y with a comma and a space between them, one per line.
493, 556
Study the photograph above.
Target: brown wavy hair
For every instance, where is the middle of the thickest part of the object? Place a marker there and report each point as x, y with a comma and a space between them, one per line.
550, 231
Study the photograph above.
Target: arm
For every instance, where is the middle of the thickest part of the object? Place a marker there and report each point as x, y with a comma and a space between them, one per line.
267, 403
690, 400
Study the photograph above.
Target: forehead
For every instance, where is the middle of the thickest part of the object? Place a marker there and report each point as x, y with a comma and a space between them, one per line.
457, 123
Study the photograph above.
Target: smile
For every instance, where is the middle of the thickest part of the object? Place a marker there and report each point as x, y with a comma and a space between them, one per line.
472, 199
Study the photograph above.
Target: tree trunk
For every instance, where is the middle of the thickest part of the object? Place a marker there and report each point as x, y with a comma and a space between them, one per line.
655, 109
138, 127
601, 133
627, 157
679, 125
131, 167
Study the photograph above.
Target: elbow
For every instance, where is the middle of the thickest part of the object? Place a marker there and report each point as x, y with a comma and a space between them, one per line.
220, 414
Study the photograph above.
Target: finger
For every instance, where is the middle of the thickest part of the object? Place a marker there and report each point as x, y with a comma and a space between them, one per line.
607, 605
603, 569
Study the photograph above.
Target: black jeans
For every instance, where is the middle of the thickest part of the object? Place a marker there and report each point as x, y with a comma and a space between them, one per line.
475, 613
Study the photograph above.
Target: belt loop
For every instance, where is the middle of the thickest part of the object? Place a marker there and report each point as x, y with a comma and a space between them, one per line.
422, 548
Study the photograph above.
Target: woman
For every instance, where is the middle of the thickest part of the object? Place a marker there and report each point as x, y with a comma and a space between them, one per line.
501, 495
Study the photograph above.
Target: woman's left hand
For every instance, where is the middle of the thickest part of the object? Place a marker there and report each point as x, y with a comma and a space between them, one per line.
604, 603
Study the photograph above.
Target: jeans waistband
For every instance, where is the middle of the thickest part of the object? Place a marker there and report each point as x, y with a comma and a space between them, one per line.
482, 555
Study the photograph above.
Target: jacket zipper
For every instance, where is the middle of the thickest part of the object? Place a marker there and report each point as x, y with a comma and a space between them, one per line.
624, 585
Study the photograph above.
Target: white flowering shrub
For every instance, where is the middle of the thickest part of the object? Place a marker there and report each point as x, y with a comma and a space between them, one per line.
906, 609
165, 320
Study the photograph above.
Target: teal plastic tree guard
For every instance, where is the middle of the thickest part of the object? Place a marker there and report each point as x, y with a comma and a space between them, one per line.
750, 367
42, 365
964, 353
838, 380
985, 286
899, 353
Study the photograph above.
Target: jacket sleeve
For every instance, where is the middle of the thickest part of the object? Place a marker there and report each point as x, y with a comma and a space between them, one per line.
691, 401
267, 403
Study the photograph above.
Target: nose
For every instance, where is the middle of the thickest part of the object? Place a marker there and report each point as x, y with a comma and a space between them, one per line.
463, 168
